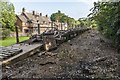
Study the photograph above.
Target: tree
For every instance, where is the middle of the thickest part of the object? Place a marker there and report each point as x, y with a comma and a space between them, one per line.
71, 22
77, 23
82, 22
64, 18
107, 17
7, 18
7, 15
57, 16
85, 22
61, 17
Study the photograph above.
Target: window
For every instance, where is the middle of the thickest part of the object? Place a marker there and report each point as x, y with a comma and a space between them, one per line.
26, 30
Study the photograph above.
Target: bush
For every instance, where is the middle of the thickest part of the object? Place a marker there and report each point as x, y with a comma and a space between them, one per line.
5, 33
107, 17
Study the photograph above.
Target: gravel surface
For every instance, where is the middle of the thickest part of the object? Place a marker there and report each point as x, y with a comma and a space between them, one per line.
86, 56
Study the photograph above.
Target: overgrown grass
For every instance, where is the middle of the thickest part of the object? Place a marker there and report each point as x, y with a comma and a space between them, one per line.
12, 40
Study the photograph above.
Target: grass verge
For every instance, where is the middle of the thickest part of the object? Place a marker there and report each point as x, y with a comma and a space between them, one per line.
12, 40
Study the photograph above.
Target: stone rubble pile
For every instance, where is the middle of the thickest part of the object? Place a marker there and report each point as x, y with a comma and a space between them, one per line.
7, 52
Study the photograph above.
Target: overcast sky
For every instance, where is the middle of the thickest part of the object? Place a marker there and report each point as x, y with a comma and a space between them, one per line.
73, 8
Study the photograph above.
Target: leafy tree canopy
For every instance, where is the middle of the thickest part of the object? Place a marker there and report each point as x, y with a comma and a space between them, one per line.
7, 15
61, 17
107, 17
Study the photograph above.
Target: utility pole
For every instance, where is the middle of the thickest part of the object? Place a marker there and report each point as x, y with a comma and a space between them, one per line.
17, 36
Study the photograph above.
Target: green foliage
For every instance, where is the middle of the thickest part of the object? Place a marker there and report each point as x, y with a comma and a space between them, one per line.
64, 18
71, 22
7, 15
57, 16
61, 17
5, 33
86, 22
107, 17
77, 23
81, 22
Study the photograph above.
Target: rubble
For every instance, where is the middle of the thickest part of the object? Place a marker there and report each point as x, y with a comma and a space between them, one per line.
42, 64
84, 57
6, 52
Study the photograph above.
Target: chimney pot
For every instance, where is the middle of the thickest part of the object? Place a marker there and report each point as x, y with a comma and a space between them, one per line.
40, 14
23, 9
33, 12
46, 15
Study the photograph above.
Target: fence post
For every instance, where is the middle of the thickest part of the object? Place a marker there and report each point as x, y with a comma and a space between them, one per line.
38, 28
17, 36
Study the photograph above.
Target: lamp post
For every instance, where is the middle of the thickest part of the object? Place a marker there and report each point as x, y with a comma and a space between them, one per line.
38, 26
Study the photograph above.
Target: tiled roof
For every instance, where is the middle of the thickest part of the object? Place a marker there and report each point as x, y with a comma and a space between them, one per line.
22, 18
30, 16
47, 19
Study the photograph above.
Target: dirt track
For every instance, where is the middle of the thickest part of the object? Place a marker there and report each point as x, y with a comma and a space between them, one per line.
86, 56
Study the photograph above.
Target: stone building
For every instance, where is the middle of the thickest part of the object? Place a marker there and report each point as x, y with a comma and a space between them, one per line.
28, 22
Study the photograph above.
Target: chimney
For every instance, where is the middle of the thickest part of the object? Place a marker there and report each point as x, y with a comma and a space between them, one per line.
40, 14
46, 15
23, 10
33, 12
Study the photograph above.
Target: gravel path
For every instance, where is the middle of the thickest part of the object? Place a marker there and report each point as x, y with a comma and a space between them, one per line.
86, 56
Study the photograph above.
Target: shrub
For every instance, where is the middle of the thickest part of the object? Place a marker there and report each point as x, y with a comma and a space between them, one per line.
5, 33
